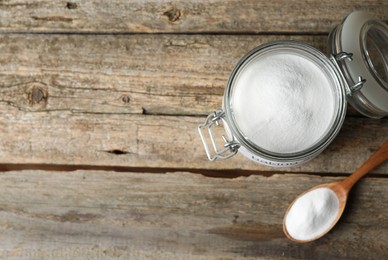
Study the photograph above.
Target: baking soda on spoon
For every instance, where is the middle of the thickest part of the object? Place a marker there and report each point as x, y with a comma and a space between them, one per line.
315, 212
312, 214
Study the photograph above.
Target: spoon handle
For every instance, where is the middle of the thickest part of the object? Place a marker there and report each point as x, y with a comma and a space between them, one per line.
376, 159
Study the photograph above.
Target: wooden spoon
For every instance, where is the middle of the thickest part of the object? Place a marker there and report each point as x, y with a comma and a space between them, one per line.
341, 189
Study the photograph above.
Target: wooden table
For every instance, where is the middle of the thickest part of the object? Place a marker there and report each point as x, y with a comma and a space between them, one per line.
99, 152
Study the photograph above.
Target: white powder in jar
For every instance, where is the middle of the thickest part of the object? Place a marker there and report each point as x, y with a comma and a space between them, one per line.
283, 102
312, 214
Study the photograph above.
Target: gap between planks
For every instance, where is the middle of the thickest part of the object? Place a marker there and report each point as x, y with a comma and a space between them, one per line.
215, 173
99, 33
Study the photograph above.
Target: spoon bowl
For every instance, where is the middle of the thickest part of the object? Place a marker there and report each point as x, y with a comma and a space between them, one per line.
342, 198
341, 190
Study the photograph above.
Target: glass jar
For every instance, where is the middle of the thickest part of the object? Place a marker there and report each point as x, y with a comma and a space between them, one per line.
259, 124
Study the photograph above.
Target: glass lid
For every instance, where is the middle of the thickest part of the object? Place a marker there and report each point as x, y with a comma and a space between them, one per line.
365, 39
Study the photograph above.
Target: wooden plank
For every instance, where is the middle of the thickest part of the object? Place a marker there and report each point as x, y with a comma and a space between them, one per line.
105, 139
152, 74
89, 215
139, 16
76, 99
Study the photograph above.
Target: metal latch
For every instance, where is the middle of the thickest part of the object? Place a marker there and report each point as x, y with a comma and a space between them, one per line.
229, 148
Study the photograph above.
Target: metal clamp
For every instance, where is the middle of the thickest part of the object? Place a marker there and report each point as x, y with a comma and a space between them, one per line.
343, 55
358, 85
349, 56
230, 147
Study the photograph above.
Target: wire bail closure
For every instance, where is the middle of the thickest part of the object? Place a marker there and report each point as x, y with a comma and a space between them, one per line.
339, 57
230, 147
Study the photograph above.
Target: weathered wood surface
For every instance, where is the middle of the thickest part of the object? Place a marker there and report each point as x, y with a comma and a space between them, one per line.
215, 16
155, 141
131, 74
89, 215
159, 74
117, 89
98, 100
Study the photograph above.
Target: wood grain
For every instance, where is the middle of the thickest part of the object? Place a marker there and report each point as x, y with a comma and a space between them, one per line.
78, 138
175, 215
96, 100
380, 156
122, 85
203, 16
135, 74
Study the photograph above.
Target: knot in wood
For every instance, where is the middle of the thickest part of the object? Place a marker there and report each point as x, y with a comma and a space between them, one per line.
173, 14
37, 96
71, 5
126, 99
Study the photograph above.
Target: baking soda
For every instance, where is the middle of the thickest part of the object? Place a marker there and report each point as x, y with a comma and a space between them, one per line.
283, 103
312, 214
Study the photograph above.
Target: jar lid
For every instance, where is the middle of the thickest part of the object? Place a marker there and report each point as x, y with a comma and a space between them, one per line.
364, 41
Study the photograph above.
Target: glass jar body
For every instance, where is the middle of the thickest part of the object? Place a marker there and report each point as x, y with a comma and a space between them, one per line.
357, 68
240, 137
